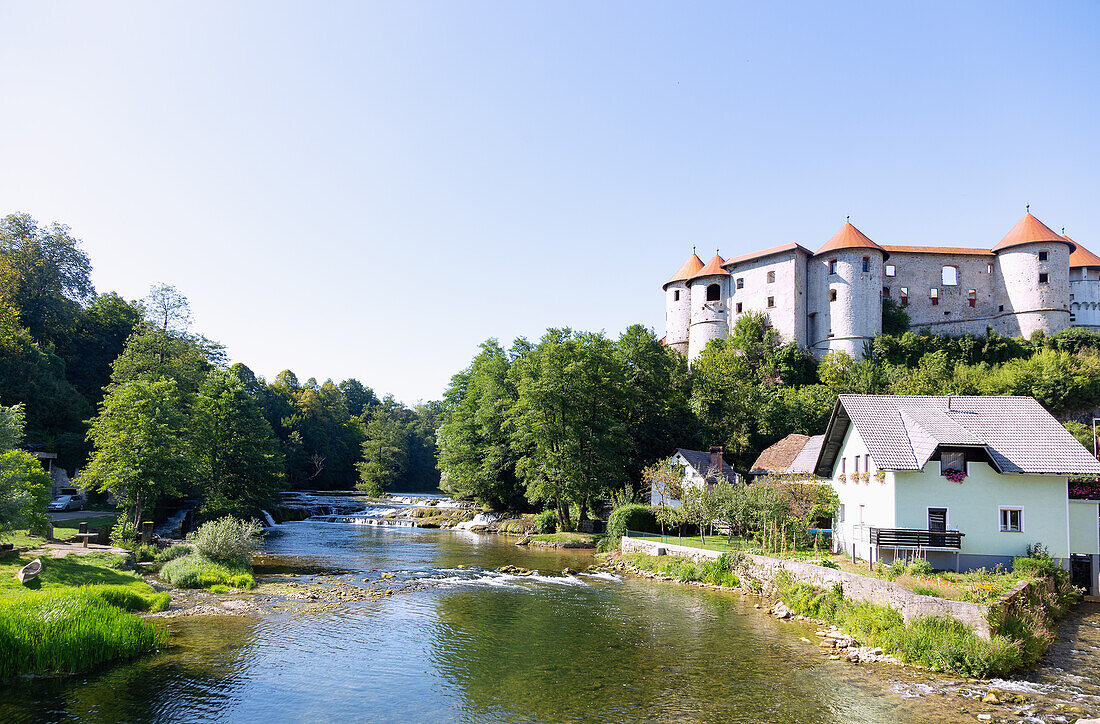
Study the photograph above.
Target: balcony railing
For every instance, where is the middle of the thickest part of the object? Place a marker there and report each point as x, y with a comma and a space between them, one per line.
912, 538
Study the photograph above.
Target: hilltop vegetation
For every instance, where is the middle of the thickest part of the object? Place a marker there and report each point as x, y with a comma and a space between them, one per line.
569, 421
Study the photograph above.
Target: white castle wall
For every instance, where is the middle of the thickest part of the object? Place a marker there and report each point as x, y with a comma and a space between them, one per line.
787, 292
1084, 296
920, 273
847, 323
677, 316
708, 319
1035, 306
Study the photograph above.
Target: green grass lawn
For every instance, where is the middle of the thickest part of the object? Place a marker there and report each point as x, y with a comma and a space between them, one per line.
72, 570
66, 529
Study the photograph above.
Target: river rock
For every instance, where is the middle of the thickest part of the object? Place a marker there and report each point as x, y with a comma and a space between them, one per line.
991, 698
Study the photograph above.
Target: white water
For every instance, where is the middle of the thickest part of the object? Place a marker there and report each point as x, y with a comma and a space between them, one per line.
478, 520
268, 518
375, 520
168, 527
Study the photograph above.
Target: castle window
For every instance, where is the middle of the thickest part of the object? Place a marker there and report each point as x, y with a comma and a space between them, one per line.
972, 296
832, 295
830, 331
1042, 256
739, 307
676, 295
934, 295
1000, 308
866, 263
1042, 278
905, 296
950, 276
832, 266
771, 277
891, 270
714, 292
771, 302
886, 291
989, 268
741, 283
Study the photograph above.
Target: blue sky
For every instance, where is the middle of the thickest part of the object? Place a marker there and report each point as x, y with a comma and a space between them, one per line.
370, 190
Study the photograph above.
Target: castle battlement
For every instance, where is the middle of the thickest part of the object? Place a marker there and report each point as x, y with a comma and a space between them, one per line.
1033, 279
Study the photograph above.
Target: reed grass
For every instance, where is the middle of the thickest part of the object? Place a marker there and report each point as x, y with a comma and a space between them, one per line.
195, 571
67, 630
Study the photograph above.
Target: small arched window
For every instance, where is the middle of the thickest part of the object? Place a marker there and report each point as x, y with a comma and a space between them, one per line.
714, 292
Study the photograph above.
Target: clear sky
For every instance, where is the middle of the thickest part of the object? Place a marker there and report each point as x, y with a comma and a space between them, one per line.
370, 190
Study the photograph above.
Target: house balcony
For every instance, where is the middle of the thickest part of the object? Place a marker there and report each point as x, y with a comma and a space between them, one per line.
910, 538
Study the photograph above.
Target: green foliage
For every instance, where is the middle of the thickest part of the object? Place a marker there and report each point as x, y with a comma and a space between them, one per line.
1082, 432
173, 552
826, 563
24, 485
123, 532
920, 567
69, 630
227, 540
715, 572
195, 571
630, 517
895, 320
546, 522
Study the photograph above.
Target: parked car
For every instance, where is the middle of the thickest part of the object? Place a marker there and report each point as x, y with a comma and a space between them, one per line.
66, 502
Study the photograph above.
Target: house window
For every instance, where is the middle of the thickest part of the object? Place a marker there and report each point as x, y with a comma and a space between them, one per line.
714, 292
950, 276
739, 307
905, 296
741, 283
891, 270
1012, 520
855, 464
1042, 278
840, 514
934, 295
952, 461
771, 302
771, 277
886, 291
937, 520
866, 263
1042, 256
972, 296
676, 295
866, 463
832, 295
832, 266
843, 465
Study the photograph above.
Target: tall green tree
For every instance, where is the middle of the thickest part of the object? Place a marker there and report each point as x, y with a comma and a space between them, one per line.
241, 465
385, 448
143, 444
24, 485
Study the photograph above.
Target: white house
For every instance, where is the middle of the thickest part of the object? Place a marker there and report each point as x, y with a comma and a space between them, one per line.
966, 481
700, 468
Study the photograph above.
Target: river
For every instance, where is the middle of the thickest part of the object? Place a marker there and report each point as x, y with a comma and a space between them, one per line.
460, 641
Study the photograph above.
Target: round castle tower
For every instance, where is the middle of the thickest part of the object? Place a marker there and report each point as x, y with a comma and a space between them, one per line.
1034, 266
846, 284
1084, 287
678, 305
709, 296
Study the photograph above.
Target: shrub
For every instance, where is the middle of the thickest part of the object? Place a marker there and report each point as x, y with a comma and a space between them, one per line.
826, 563
920, 567
895, 569
146, 552
546, 522
227, 540
630, 517
172, 552
69, 630
122, 534
1040, 565
195, 571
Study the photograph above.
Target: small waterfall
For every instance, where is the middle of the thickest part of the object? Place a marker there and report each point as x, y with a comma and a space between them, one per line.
380, 522
168, 528
481, 519
268, 518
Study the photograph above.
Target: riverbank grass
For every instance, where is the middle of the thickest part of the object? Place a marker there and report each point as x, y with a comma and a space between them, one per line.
196, 571
715, 572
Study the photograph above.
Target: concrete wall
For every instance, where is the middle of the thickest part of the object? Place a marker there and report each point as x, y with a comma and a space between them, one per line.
788, 292
855, 587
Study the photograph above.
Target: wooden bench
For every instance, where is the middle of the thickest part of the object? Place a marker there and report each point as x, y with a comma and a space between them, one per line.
84, 538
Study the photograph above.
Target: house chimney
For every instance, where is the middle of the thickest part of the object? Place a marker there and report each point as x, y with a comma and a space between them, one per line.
716, 459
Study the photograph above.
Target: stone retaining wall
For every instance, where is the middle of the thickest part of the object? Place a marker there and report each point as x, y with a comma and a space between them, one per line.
856, 587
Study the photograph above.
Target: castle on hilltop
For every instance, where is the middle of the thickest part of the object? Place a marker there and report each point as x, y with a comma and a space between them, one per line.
832, 299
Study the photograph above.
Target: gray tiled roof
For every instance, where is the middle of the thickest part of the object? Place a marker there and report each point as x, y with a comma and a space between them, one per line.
701, 461
902, 432
807, 458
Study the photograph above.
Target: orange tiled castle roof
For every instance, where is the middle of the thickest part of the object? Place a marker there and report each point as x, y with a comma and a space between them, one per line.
1081, 256
687, 271
1029, 230
713, 268
849, 237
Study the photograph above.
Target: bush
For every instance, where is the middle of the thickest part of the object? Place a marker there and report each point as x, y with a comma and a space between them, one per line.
546, 522
195, 571
69, 630
146, 552
1040, 565
122, 534
227, 540
826, 563
920, 567
717, 572
630, 517
173, 552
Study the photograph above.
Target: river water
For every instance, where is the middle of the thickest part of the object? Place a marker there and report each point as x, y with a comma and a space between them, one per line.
460, 641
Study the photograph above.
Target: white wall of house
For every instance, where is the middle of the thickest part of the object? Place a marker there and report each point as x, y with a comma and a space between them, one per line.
691, 478
973, 507
871, 502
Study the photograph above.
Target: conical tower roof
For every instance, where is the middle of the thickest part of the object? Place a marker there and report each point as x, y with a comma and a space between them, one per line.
1080, 256
849, 237
1029, 230
712, 269
687, 271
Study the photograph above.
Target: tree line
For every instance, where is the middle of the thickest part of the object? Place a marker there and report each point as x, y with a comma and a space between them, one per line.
566, 422
151, 411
